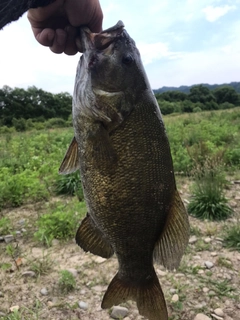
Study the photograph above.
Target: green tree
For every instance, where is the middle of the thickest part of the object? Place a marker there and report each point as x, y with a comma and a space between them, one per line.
226, 94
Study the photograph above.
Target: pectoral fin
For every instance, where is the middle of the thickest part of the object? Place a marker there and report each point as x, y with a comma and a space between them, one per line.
91, 239
70, 162
173, 241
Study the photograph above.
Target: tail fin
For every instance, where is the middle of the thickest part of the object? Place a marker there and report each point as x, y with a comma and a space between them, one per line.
149, 297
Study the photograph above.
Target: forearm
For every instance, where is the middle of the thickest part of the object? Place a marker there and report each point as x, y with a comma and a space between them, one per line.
11, 10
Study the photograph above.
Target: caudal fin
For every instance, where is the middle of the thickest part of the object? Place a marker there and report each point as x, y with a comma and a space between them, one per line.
149, 296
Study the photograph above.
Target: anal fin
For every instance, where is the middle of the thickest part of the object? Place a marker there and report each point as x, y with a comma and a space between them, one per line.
172, 243
70, 162
91, 239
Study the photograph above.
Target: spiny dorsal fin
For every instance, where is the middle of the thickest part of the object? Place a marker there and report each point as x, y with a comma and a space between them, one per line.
70, 162
91, 239
172, 243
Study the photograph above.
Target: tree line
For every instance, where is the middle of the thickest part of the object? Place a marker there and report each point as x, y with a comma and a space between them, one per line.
21, 107
200, 98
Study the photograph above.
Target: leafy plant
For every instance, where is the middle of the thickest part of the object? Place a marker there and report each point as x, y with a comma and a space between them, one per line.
70, 185
67, 281
232, 237
59, 224
41, 266
5, 226
208, 200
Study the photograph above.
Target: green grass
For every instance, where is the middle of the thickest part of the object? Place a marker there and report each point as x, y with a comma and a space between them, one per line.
231, 237
66, 282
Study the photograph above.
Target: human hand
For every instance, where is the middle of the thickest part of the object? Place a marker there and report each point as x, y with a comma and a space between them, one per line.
56, 25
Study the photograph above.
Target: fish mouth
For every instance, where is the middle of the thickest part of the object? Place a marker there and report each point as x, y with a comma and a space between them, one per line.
100, 41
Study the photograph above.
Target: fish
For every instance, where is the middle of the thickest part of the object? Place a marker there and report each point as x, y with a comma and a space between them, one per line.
121, 148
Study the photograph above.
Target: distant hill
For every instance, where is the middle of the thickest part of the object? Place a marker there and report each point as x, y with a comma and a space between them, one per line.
186, 89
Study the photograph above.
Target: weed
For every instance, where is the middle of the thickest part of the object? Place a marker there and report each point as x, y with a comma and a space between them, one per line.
232, 237
195, 231
41, 266
222, 288
60, 224
69, 185
208, 200
223, 262
200, 245
67, 281
5, 226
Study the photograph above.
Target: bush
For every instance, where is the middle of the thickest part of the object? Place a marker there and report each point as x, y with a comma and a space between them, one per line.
208, 200
69, 185
56, 123
231, 238
67, 281
59, 224
5, 226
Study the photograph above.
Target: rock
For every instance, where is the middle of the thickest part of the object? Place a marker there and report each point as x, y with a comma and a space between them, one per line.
21, 222
200, 305
83, 305
209, 264
201, 316
1, 294
236, 182
8, 238
74, 272
119, 312
175, 298
83, 292
216, 317
14, 308
207, 240
18, 233
24, 230
100, 260
172, 291
29, 274
1, 239
192, 240
98, 288
161, 273
205, 289
200, 271
55, 242
2, 314
71, 297
196, 257
219, 312
214, 254
44, 292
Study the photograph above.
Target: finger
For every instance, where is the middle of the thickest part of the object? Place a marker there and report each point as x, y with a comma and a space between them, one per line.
59, 41
70, 47
44, 37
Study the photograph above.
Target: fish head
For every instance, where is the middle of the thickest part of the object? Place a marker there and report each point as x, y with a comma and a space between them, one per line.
111, 60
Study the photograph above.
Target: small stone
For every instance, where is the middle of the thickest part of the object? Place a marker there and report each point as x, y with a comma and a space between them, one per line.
1, 294
205, 290
71, 297
50, 303
74, 272
2, 314
18, 233
161, 273
209, 264
216, 317
186, 201
201, 271
201, 316
83, 305
44, 292
55, 242
172, 291
8, 238
200, 305
24, 230
1, 239
98, 288
21, 222
219, 312
193, 239
119, 312
83, 292
197, 257
14, 308
214, 254
207, 240
29, 274
175, 298
100, 260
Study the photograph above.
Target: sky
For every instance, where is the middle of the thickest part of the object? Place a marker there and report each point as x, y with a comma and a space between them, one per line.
182, 42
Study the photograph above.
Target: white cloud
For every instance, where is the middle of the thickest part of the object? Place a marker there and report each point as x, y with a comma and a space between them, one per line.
155, 51
214, 13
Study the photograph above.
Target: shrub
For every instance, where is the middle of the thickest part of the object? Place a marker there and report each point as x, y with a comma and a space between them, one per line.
208, 200
69, 185
59, 224
5, 226
67, 281
231, 238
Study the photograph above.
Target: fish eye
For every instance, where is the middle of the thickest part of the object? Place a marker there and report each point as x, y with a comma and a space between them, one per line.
127, 59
